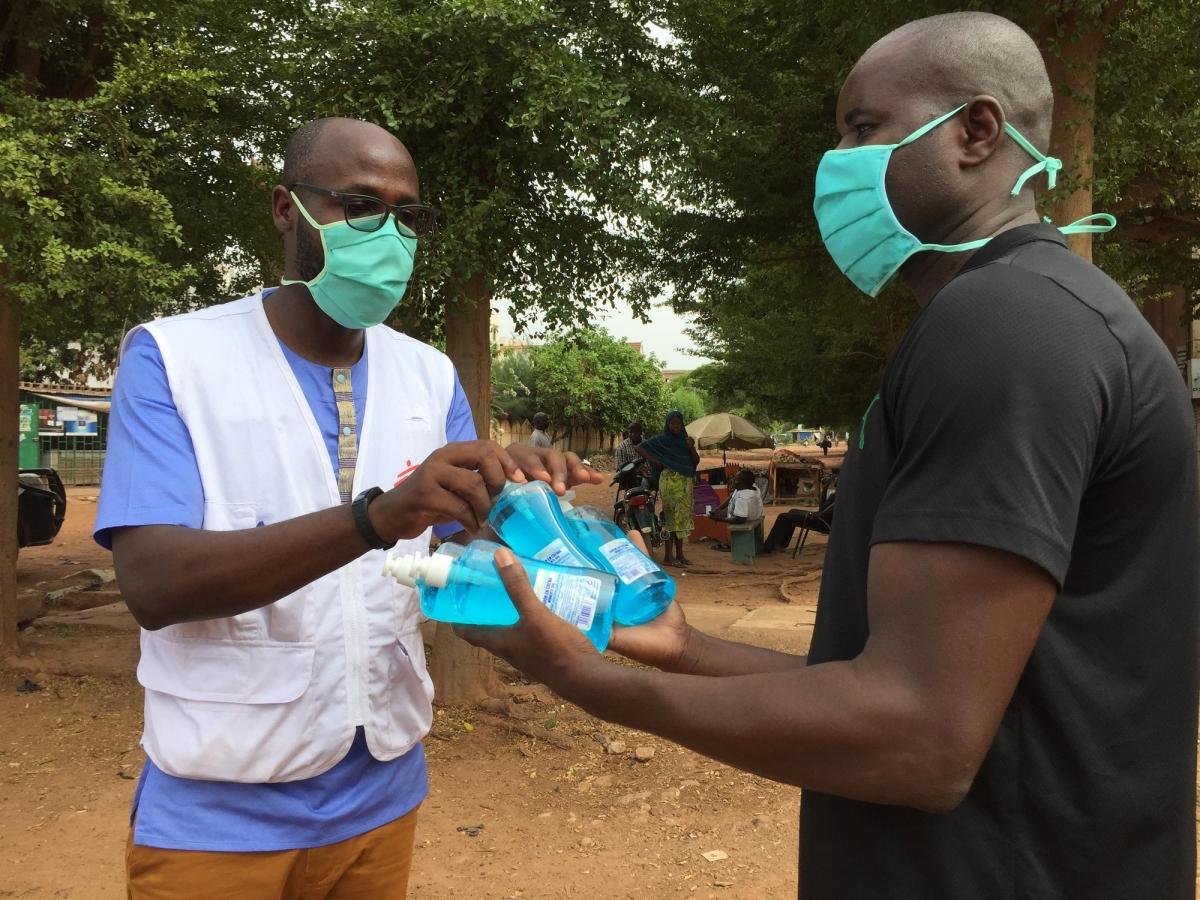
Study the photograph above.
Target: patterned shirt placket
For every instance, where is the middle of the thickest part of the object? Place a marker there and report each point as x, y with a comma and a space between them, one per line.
343, 395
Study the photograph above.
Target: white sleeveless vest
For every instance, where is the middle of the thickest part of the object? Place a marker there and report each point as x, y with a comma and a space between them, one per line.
275, 694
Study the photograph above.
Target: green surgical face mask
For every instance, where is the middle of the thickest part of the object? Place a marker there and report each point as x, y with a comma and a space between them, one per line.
859, 227
366, 272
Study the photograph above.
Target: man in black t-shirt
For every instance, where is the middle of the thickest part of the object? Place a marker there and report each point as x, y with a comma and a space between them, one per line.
1000, 696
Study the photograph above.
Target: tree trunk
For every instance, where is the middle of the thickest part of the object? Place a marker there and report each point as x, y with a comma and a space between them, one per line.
469, 346
1071, 45
9, 376
461, 673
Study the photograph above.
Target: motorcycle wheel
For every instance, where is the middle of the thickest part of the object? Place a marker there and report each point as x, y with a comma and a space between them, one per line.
619, 517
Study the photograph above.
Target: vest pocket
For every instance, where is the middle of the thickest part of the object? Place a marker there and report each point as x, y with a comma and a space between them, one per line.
409, 709
411, 428
254, 672
288, 619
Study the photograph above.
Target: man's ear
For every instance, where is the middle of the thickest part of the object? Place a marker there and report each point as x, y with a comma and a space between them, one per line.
283, 209
983, 128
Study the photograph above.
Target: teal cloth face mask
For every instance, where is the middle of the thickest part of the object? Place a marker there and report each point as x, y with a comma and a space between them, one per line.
860, 228
366, 272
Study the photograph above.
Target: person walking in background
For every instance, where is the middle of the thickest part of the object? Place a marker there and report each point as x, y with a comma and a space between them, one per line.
674, 452
540, 438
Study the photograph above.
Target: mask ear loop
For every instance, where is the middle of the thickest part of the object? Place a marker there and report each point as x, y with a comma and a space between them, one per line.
324, 248
1048, 164
929, 126
1085, 226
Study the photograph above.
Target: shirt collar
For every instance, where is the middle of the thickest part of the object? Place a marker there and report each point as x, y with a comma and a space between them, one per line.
1007, 241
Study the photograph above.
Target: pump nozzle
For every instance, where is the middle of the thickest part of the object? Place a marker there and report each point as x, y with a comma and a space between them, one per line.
409, 568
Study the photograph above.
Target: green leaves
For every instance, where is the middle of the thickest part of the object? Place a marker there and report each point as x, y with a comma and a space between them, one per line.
735, 234
584, 380
529, 123
115, 145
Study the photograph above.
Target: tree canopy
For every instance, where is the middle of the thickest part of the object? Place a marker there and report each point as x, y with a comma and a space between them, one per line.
588, 379
736, 235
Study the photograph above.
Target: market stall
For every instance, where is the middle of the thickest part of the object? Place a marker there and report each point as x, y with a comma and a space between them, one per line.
797, 478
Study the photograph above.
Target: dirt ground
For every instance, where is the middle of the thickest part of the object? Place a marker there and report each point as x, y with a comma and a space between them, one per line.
558, 822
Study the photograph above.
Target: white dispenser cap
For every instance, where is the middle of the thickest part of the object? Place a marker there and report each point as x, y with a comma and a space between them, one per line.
564, 502
408, 568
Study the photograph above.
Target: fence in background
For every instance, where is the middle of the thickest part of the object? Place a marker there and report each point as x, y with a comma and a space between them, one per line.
579, 440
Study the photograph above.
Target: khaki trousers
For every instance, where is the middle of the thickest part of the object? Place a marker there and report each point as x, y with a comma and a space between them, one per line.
372, 866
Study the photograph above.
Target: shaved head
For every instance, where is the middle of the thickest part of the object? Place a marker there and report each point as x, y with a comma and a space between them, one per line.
949, 59
311, 145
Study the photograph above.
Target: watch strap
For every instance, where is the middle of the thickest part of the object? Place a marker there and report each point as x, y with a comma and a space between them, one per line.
362, 520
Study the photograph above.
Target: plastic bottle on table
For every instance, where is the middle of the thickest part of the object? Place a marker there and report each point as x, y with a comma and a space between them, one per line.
460, 584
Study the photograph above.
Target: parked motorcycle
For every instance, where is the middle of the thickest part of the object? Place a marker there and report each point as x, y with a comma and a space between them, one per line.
41, 506
636, 506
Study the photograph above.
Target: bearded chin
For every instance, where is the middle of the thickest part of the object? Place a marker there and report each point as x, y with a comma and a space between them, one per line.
310, 259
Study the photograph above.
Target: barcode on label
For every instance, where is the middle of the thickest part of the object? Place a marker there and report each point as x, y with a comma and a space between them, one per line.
570, 597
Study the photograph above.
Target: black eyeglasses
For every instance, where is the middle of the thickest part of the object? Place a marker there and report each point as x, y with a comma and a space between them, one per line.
365, 213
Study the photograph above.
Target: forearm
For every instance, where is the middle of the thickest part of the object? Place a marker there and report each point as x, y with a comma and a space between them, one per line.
841, 732
728, 519
713, 656
646, 455
171, 574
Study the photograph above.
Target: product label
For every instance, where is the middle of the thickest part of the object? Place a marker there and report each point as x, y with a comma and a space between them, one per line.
627, 561
557, 553
570, 597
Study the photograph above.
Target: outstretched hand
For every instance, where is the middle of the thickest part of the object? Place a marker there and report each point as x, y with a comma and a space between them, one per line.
541, 645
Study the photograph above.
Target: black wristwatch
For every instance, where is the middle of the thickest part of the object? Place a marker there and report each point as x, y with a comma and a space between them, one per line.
363, 521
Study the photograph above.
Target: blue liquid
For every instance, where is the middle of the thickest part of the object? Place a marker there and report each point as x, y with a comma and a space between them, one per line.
529, 518
475, 595
644, 590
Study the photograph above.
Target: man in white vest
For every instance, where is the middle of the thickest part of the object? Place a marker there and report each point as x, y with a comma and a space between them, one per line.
285, 680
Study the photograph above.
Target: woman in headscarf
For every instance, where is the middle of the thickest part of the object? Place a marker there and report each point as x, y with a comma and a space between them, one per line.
674, 452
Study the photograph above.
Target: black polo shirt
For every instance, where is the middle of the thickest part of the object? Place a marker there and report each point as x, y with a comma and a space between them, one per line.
1032, 409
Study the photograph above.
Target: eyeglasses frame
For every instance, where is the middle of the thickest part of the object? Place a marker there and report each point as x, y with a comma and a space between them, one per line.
389, 208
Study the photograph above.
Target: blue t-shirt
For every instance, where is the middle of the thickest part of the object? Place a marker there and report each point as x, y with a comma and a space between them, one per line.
151, 478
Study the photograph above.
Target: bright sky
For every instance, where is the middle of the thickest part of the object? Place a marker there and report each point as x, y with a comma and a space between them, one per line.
663, 335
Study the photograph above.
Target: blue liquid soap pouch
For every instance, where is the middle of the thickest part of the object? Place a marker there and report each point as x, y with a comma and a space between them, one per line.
459, 584
536, 524
529, 518
644, 590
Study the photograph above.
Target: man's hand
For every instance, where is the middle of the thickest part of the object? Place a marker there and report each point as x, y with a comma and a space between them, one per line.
663, 642
560, 470
541, 645
455, 484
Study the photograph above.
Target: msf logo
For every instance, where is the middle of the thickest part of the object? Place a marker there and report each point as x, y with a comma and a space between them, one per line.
404, 473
